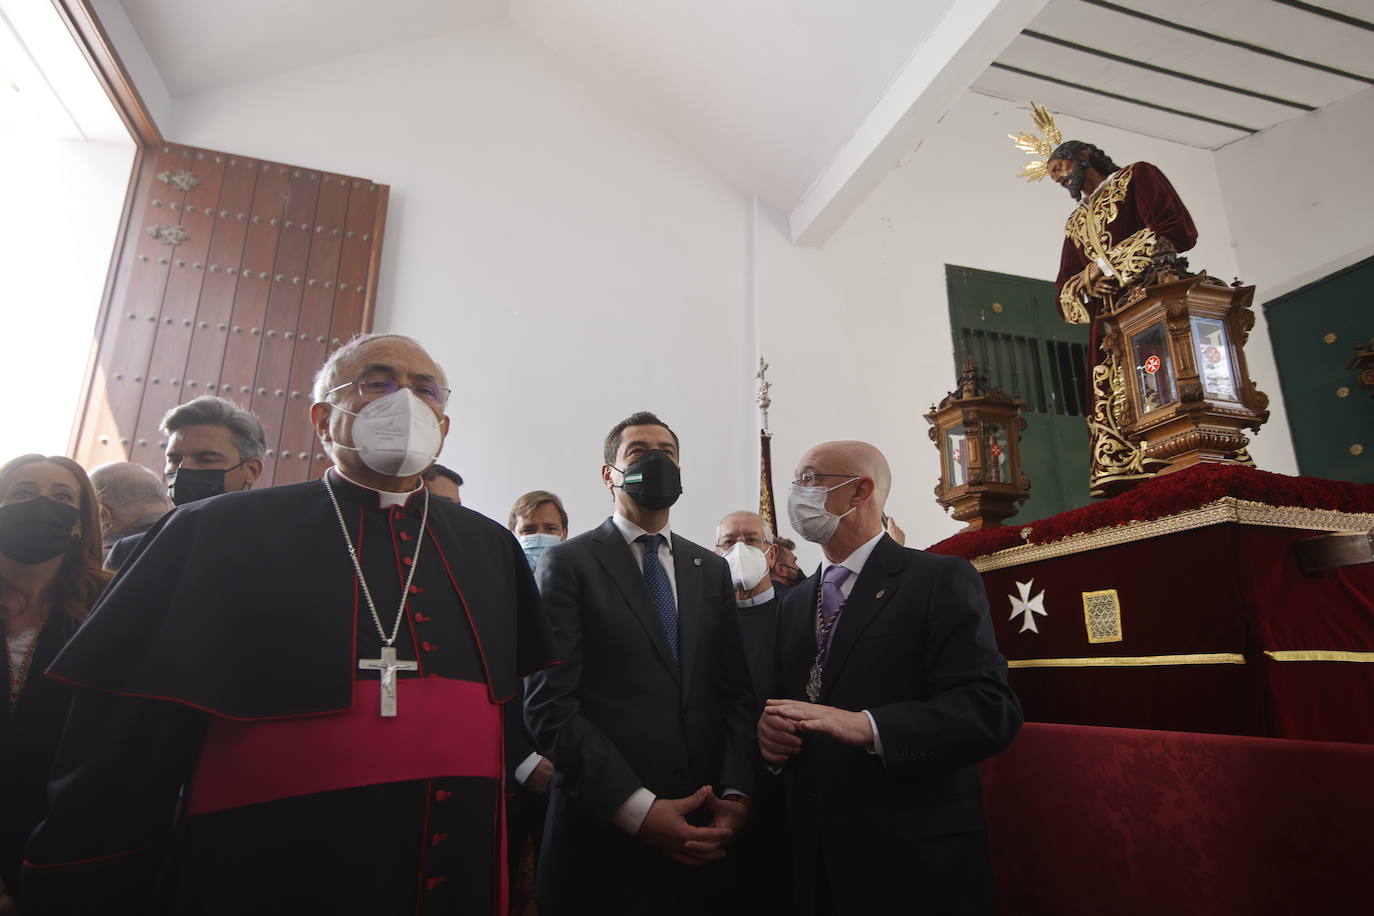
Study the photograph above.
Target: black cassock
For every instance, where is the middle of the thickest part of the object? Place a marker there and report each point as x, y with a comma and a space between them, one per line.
220, 680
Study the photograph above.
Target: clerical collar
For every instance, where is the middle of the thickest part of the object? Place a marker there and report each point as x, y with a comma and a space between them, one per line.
630, 531
761, 598
385, 498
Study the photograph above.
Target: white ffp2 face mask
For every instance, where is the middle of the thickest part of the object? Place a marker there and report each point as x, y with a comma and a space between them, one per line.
806, 510
748, 565
397, 435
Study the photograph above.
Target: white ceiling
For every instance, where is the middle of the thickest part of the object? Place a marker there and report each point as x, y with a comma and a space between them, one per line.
784, 98
205, 44
767, 92
1179, 105
808, 104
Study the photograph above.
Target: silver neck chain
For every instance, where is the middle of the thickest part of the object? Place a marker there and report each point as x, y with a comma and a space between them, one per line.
353, 555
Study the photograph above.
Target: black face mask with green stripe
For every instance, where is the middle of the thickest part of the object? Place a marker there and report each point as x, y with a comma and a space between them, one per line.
653, 480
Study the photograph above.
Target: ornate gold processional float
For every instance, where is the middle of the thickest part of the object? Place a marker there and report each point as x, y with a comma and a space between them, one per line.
1197, 593
1170, 386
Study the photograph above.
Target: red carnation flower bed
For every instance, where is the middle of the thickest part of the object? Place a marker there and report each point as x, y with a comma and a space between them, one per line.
1166, 495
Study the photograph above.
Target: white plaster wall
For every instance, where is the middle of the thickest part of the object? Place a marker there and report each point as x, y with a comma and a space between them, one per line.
54, 256
858, 333
1302, 206
1300, 195
134, 55
569, 264
566, 264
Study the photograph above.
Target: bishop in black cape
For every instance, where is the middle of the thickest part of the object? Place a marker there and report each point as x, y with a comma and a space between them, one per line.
225, 754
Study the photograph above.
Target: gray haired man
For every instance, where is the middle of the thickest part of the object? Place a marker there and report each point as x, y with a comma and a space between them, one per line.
213, 446
132, 499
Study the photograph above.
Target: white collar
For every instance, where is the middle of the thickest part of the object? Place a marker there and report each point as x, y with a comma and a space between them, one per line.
1100, 185
632, 532
388, 498
856, 560
761, 598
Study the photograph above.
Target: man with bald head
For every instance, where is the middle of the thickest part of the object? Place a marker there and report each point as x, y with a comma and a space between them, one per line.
309, 678
132, 499
891, 691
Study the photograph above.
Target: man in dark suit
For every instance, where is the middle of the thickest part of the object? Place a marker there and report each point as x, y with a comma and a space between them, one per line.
784, 571
132, 499
761, 859
894, 691
650, 716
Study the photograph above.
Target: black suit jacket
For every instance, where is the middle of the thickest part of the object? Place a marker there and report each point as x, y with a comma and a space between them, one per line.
29, 734
620, 713
915, 648
122, 549
758, 627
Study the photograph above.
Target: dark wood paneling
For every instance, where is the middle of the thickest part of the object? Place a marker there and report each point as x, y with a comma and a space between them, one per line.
195, 210
283, 312
312, 332
218, 290
110, 421
351, 297
274, 266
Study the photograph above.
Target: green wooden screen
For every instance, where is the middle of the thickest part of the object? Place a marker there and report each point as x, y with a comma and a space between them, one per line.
1313, 331
1012, 328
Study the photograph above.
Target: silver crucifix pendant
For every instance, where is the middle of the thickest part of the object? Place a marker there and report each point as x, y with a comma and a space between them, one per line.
813, 682
388, 666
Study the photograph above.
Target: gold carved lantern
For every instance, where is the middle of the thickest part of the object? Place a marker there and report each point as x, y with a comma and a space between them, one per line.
1187, 392
977, 429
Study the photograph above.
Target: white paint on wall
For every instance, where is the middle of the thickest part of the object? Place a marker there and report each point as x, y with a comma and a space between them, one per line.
53, 263
565, 264
147, 78
568, 263
1302, 207
859, 333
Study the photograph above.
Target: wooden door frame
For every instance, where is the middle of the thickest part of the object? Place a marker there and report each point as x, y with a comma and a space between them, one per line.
95, 44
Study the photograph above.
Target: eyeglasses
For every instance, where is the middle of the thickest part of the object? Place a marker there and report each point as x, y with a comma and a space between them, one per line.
372, 387
810, 478
753, 540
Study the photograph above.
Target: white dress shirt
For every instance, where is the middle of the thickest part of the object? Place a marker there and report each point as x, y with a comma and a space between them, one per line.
630, 815
855, 564
632, 533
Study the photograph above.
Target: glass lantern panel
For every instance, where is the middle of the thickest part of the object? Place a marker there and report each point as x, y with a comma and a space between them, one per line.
995, 453
956, 455
1154, 370
1212, 351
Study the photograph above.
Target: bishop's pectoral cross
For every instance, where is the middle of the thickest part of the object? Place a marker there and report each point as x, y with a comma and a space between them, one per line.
388, 666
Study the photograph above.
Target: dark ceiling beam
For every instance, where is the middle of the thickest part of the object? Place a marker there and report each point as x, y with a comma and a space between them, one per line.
1124, 98
1342, 18
1190, 77
1233, 42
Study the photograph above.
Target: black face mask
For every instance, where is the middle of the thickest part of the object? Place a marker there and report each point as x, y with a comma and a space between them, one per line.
36, 530
652, 480
194, 484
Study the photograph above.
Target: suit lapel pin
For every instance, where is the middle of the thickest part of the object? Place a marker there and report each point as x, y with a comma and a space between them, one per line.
696, 561
881, 592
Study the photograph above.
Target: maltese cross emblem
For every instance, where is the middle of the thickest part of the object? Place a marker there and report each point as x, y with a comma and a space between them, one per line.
1027, 606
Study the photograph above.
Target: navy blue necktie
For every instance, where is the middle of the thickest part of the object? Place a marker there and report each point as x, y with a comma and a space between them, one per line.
660, 589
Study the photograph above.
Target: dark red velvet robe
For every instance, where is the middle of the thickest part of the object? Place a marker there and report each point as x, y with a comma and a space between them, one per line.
1146, 201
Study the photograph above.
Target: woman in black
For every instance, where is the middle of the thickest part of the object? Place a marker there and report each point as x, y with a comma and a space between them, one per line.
50, 575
